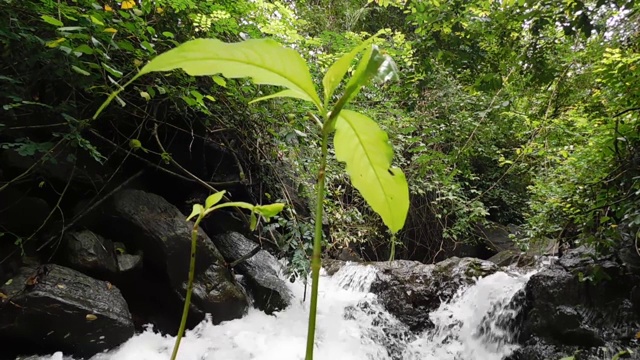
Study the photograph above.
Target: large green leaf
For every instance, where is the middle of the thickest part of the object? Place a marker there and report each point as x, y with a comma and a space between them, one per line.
263, 60
333, 77
364, 147
373, 65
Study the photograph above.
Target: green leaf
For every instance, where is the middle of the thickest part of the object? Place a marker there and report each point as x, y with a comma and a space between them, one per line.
263, 60
279, 94
254, 221
219, 80
198, 210
240, 204
373, 65
338, 69
80, 71
364, 147
85, 49
52, 21
270, 210
213, 199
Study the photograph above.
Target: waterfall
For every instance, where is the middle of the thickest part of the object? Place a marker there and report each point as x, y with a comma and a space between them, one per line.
351, 325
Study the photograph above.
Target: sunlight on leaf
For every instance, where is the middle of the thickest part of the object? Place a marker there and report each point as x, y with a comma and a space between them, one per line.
373, 66
364, 147
336, 72
268, 211
263, 60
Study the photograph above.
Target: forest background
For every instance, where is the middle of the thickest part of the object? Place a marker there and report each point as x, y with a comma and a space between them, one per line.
515, 112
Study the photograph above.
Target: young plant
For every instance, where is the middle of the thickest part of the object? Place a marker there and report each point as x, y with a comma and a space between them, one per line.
358, 141
199, 212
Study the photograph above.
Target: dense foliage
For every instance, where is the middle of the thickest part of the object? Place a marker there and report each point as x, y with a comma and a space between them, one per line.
518, 111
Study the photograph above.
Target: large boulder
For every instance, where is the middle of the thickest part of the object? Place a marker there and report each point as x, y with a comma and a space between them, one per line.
583, 302
53, 308
270, 293
146, 222
90, 253
410, 290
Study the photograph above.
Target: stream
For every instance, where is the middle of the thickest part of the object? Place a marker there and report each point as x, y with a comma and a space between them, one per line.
350, 326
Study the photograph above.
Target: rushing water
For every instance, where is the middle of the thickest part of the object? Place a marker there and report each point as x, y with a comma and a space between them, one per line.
350, 326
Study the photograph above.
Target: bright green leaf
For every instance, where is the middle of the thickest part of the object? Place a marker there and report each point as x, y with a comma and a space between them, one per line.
336, 72
270, 210
213, 199
198, 210
254, 221
145, 95
219, 80
279, 94
80, 71
96, 21
364, 147
240, 204
263, 60
52, 21
374, 65
85, 49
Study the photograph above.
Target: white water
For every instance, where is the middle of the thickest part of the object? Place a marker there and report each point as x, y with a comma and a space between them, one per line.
350, 326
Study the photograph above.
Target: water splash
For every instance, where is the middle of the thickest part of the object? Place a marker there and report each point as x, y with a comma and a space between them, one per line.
477, 324
351, 325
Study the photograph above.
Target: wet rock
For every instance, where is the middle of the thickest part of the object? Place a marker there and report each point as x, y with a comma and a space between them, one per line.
148, 223
411, 290
331, 266
53, 308
270, 292
90, 253
582, 302
498, 237
505, 257
129, 262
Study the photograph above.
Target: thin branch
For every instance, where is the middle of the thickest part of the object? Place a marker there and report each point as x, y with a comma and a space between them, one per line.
626, 111
26, 172
197, 179
95, 204
245, 257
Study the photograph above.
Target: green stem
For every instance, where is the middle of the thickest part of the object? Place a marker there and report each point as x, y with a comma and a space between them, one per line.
317, 250
187, 300
392, 256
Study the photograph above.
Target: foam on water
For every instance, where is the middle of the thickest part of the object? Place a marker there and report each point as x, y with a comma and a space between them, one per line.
350, 326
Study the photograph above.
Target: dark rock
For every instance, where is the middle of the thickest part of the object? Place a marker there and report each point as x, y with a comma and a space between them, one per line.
148, 223
15, 205
505, 257
583, 302
498, 237
270, 292
128, 262
64, 163
53, 308
331, 266
90, 253
410, 290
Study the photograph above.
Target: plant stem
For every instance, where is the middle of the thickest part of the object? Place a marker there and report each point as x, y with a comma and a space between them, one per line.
317, 249
187, 300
